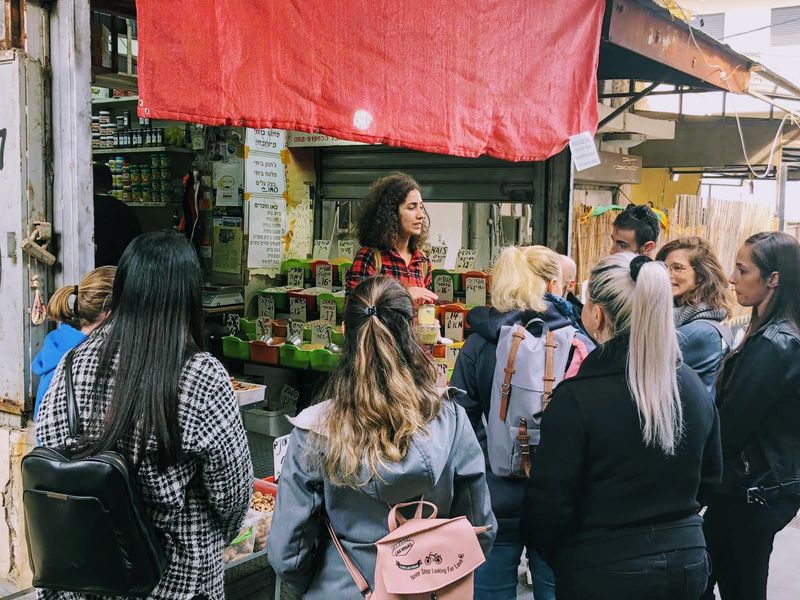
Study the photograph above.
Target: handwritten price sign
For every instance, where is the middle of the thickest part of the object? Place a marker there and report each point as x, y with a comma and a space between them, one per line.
322, 249
296, 329
266, 306
438, 256
451, 356
320, 333
476, 291
441, 374
232, 322
443, 287
454, 326
298, 309
296, 277
325, 276
347, 249
279, 449
327, 311
466, 259
264, 327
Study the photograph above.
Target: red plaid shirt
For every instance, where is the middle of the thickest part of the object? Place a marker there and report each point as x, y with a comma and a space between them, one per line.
416, 274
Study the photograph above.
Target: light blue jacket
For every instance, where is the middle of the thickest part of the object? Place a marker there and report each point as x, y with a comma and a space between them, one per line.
703, 350
445, 465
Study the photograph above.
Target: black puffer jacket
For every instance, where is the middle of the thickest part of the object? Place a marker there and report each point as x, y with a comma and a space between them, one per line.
759, 410
473, 374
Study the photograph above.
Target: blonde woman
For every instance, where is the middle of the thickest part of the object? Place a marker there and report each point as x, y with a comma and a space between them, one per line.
626, 447
525, 283
383, 434
78, 309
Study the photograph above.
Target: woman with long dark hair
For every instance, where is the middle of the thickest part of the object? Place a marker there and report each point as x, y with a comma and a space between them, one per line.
144, 387
701, 299
759, 409
382, 434
392, 227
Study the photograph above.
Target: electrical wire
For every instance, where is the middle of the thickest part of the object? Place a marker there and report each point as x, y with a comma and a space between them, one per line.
724, 77
725, 37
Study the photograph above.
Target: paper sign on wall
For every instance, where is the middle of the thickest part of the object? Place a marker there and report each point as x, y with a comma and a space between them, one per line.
269, 141
264, 174
466, 259
296, 277
322, 249
476, 291
443, 287
266, 306
584, 152
264, 327
325, 276
454, 326
327, 311
298, 309
438, 256
265, 220
347, 249
320, 333
279, 449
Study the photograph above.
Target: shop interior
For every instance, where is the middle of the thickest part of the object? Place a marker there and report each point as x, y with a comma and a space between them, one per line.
271, 214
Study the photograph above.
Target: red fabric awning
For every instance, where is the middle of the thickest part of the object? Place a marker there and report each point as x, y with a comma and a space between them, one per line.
509, 78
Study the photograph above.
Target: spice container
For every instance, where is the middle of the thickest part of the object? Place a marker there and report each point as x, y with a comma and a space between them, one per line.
147, 193
428, 334
146, 174
136, 175
104, 116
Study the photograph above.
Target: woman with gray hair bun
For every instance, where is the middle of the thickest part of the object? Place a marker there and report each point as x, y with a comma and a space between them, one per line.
627, 446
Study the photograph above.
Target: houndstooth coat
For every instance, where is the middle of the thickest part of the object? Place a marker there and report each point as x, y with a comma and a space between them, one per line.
197, 504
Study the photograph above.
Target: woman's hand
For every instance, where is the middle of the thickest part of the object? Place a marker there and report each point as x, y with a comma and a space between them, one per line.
421, 295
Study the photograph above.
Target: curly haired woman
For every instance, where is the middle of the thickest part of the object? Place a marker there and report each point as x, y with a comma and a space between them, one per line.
392, 225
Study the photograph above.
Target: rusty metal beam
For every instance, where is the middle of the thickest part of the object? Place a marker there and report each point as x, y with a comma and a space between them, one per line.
12, 24
652, 37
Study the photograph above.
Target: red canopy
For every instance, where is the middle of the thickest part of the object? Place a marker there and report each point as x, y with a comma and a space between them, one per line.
509, 78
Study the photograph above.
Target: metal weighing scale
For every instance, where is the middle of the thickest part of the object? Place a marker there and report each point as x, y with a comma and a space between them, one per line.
217, 296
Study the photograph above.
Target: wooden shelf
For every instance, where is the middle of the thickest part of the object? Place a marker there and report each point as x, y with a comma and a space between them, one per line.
145, 150
150, 204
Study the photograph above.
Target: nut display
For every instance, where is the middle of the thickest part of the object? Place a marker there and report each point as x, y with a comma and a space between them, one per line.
262, 502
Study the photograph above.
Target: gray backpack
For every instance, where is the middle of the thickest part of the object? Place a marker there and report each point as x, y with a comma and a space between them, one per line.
528, 368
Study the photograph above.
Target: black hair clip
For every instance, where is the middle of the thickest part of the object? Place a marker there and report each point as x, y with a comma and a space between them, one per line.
636, 265
370, 311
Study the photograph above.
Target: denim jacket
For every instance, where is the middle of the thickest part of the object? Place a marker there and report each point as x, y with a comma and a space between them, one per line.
445, 464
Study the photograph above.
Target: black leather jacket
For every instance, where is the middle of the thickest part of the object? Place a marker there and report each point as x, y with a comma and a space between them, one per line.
759, 410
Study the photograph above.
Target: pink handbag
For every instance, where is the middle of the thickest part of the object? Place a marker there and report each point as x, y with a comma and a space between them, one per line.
422, 558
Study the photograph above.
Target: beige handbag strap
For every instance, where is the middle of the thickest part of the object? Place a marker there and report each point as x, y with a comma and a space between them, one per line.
358, 578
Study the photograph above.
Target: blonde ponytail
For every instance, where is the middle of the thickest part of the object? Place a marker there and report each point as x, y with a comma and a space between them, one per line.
85, 304
642, 309
520, 278
384, 390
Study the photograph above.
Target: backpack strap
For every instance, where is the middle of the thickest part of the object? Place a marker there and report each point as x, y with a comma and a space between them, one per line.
505, 389
724, 331
549, 379
358, 578
72, 404
524, 448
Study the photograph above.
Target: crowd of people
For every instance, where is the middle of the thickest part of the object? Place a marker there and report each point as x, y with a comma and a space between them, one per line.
660, 460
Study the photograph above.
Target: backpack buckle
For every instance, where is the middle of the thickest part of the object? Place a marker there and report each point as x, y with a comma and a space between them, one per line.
505, 389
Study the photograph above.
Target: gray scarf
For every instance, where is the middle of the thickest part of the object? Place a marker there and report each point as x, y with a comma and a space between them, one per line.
692, 312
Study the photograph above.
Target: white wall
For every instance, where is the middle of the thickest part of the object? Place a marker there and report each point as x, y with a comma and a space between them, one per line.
447, 221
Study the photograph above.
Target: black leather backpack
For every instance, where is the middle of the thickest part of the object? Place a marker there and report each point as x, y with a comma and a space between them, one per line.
86, 527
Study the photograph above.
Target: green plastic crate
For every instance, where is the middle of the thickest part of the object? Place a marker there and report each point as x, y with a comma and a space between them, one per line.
324, 360
297, 262
248, 326
280, 295
233, 347
295, 357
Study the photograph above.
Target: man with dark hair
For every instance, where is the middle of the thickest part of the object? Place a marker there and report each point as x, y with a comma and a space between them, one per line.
636, 230
115, 223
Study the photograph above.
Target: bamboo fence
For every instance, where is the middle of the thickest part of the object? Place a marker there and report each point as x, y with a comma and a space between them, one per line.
724, 223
